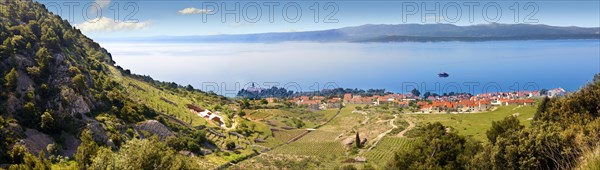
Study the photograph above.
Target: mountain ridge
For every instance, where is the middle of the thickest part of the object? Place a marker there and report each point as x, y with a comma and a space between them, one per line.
387, 32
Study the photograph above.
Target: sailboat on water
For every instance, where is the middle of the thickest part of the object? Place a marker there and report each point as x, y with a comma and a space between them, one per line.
443, 75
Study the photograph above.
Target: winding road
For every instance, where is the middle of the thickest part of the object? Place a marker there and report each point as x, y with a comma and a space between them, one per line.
410, 126
380, 136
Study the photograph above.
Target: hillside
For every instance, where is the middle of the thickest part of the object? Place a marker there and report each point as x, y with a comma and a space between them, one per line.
58, 86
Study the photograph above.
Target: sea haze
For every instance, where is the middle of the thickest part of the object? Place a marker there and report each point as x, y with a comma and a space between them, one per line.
511, 65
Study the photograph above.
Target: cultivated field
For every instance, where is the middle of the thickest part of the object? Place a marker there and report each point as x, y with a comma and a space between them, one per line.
325, 148
385, 150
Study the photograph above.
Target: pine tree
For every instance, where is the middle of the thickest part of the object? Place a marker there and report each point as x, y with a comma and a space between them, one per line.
86, 151
47, 121
11, 79
357, 140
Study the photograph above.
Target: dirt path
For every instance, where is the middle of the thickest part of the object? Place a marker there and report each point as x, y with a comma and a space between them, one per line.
380, 136
364, 113
410, 126
233, 126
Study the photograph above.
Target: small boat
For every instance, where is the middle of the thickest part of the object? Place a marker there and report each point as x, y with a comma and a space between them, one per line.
443, 74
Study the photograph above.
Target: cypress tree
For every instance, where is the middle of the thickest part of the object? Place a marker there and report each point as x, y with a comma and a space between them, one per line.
357, 140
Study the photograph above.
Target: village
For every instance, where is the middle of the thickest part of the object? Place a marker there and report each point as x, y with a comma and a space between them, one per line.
407, 103
459, 103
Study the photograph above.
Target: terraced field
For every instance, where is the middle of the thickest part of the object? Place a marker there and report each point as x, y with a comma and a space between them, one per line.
261, 114
282, 136
386, 149
317, 143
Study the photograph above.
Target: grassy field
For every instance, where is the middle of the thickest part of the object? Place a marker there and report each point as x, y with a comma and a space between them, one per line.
476, 124
283, 118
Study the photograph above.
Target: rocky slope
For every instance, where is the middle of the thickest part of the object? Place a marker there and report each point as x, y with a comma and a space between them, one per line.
56, 82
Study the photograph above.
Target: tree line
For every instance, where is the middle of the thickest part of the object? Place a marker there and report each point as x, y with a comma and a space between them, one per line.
280, 92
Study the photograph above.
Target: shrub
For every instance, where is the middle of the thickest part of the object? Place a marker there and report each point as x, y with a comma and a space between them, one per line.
11, 79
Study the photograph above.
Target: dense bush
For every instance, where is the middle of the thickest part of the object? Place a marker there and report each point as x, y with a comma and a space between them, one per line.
437, 149
139, 154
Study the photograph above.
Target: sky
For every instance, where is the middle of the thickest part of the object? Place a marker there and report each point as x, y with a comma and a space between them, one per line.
312, 63
146, 18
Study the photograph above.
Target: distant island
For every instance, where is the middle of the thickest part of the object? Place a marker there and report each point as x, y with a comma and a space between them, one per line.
397, 33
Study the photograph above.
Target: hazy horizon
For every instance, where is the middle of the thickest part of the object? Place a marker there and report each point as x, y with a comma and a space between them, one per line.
542, 64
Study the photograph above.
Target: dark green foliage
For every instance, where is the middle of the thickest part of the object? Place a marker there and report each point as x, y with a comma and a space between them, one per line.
17, 154
52, 149
263, 101
542, 107
79, 82
415, 92
32, 162
357, 141
86, 151
139, 154
11, 79
348, 167
242, 114
245, 104
230, 145
284, 93
7, 139
436, 149
30, 115
43, 57
189, 88
298, 123
47, 122
190, 142
577, 108
505, 127
49, 38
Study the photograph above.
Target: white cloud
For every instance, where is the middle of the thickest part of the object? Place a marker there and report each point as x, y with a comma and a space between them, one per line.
108, 24
192, 10
101, 4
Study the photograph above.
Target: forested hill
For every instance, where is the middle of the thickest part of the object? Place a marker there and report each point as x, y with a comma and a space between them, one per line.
62, 95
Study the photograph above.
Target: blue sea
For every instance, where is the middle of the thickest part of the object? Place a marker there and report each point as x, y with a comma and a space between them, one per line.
474, 67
